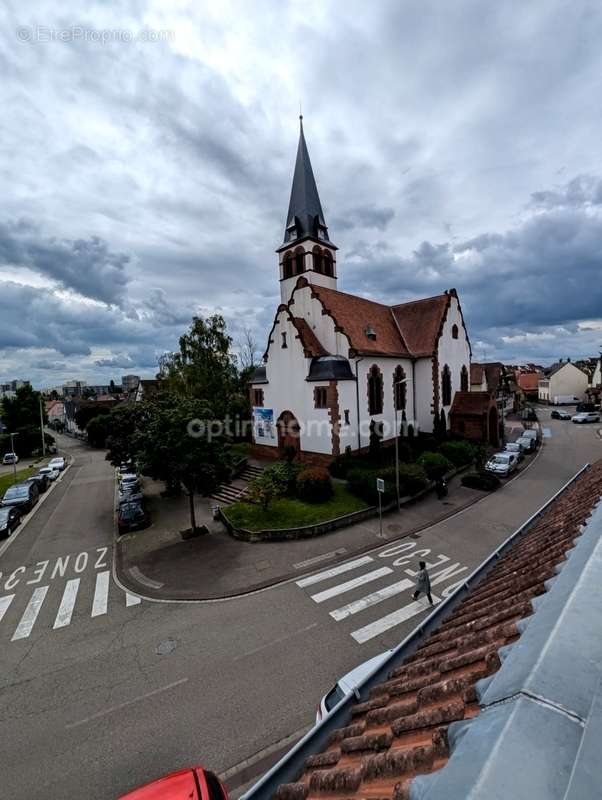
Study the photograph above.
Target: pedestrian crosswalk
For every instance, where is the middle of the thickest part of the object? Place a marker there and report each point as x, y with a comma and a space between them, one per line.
372, 595
57, 605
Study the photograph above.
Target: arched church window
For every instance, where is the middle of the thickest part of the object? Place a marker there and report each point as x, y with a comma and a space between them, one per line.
463, 379
446, 387
317, 259
375, 391
299, 261
454, 331
327, 264
399, 389
288, 270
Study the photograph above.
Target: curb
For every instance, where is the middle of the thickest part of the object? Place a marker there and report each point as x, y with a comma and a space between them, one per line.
125, 582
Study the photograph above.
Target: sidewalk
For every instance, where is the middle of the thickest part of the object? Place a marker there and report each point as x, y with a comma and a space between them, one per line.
158, 564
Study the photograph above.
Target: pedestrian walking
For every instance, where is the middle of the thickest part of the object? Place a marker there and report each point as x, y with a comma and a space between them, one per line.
423, 584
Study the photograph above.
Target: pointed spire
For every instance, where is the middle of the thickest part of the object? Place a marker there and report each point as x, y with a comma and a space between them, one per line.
305, 216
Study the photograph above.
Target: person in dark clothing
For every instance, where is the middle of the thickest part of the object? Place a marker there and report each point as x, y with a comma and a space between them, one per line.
423, 584
441, 488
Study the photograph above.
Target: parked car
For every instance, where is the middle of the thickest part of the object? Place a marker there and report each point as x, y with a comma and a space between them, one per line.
502, 464
132, 493
41, 481
348, 684
530, 433
21, 495
195, 783
527, 443
132, 517
585, 406
51, 474
516, 448
530, 414
10, 517
10, 458
564, 415
586, 416
57, 463
128, 477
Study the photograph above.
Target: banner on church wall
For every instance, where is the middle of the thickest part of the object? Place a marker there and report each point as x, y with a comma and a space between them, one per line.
263, 425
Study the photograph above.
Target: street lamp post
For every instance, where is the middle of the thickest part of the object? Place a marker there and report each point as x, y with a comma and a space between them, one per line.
12, 450
395, 385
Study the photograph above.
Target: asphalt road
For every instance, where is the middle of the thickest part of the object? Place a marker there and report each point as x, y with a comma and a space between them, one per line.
101, 691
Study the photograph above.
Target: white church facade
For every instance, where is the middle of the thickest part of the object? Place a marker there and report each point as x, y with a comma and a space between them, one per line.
338, 367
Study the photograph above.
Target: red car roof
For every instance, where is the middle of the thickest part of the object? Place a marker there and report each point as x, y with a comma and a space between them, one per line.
181, 785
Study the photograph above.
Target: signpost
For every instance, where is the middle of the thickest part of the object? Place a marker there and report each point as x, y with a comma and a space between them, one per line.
380, 488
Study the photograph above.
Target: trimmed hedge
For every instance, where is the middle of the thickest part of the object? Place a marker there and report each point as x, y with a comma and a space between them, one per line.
435, 465
458, 452
314, 485
481, 480
343, 464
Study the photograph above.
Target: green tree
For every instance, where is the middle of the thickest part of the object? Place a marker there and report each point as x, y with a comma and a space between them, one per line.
98, 428
178, 444
112, 388
204, 368
88, 411
21, 415
125, 425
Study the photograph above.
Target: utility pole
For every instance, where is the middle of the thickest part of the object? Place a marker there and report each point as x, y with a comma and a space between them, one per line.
42, 426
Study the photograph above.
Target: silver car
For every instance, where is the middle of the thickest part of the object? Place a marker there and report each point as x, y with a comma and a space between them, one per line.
502, 464
516, 448
526, 443
586, 416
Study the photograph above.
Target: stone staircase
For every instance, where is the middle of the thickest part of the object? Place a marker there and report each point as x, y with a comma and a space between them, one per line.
228, 493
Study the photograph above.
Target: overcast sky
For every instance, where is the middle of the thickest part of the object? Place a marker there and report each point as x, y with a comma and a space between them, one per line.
146, 177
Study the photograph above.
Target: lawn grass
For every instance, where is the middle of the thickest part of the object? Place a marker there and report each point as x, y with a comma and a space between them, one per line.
288, 512
7, 480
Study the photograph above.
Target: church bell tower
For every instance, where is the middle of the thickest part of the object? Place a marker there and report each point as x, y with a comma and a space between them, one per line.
306, 249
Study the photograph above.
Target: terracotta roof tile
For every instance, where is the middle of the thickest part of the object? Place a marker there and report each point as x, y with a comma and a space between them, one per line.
401, 731
476, 373
354, 314
420, 323
471, 403
308, 338
528, 381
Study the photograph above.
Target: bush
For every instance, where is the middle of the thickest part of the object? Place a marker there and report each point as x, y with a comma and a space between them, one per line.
435, 465
314, 485
458, 452
362, 482
481, 480
283, 475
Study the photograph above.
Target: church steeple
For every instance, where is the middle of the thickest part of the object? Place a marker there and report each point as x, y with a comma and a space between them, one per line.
306, 248
305, 216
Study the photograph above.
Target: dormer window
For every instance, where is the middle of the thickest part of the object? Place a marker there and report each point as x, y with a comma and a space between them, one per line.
370, 333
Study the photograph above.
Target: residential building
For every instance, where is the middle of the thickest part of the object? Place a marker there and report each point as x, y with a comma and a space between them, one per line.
339, 368
145, 390
529, 384
129, 383
10, 389
55, 411
562, 379
73, 388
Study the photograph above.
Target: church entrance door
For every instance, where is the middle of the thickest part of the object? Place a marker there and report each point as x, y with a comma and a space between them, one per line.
289, 434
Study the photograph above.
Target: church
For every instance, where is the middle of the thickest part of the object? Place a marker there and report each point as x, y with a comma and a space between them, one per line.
339, 368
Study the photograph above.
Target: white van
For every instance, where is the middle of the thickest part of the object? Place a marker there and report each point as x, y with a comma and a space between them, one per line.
348, 683
565, 400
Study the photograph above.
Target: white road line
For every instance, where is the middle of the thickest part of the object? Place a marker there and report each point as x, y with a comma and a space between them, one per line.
101, 594
110, 710
371, 599
331, 573
383, 624
5, 603
316, 559
65, 612
131, 600
346, 587
30, 614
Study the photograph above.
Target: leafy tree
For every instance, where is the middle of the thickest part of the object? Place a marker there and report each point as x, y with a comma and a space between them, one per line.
21, 415
98, 428
88, 411
265, 488
125, 424
204, 368
170, 448
112, 388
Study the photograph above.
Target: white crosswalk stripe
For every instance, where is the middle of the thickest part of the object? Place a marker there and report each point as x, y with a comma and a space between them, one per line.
101, 594
30, 614
65, 612
53, 607
352, 584
386, 602
331, 573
